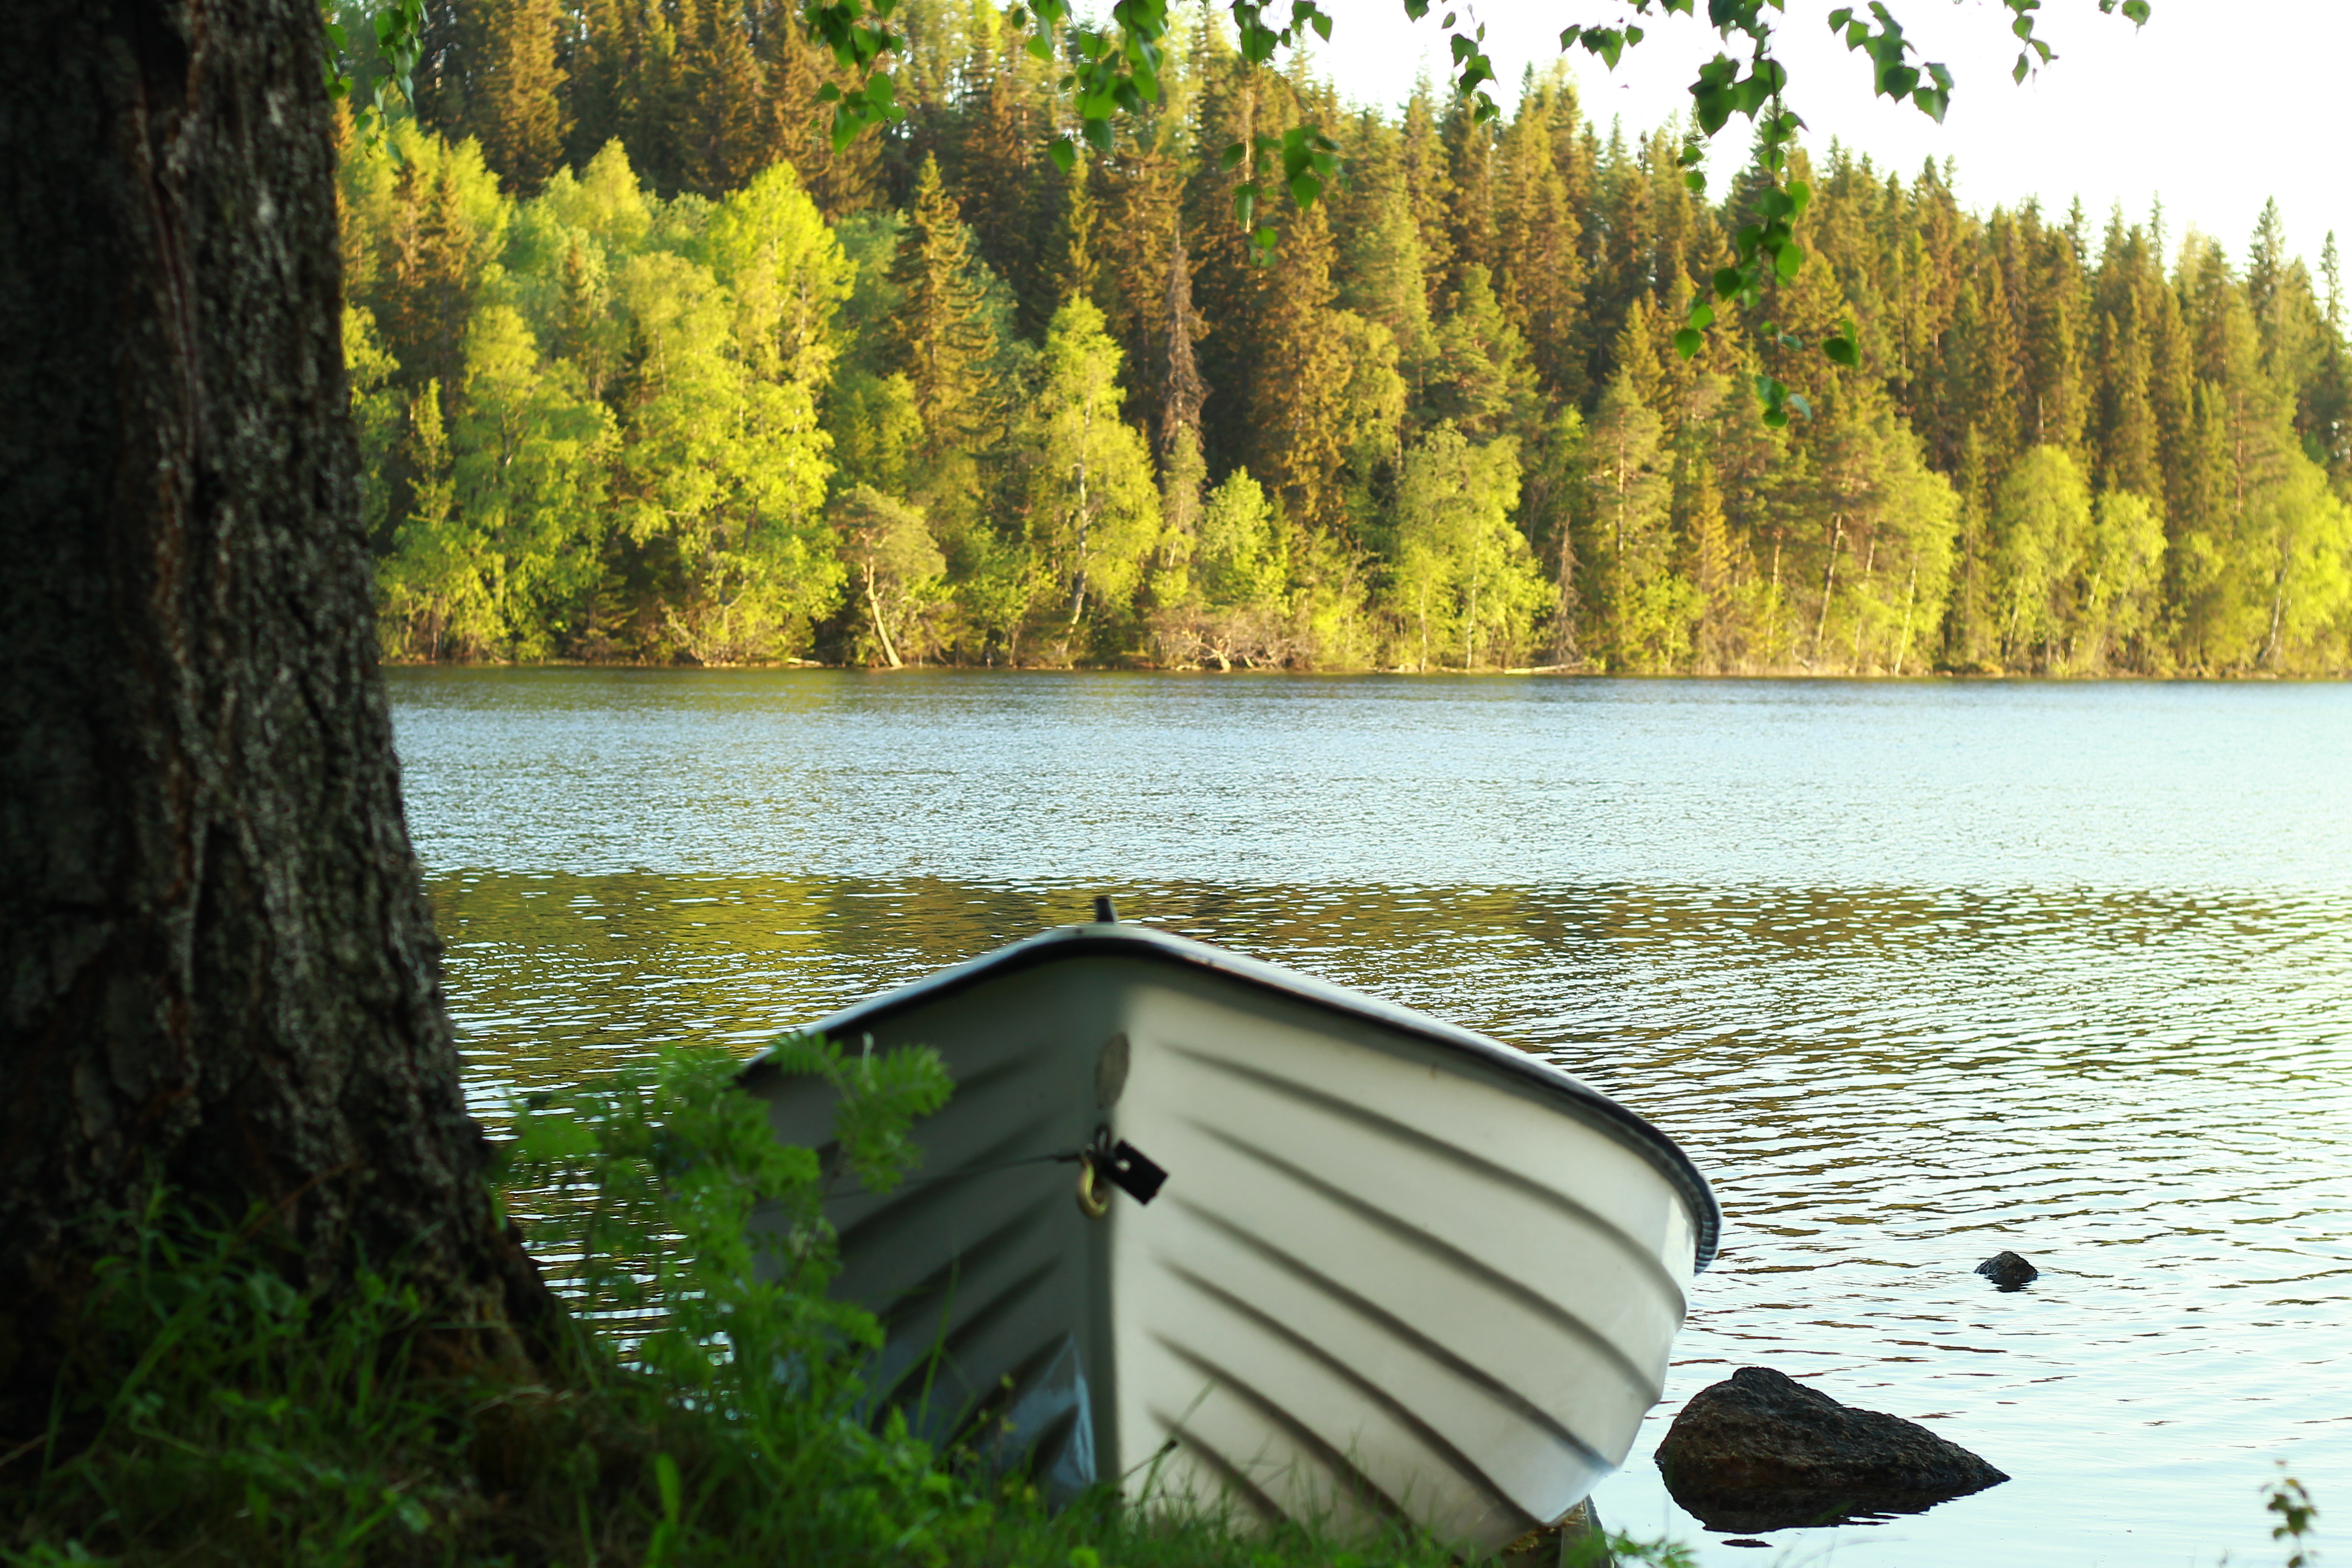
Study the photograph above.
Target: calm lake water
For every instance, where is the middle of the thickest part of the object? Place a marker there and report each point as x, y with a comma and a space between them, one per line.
1917, 973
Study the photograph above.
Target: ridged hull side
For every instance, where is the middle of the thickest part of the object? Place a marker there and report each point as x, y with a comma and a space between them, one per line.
1375, 1284
990, 1283
1382, 1279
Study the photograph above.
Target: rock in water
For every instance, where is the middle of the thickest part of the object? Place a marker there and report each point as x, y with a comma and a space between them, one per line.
1762, 1451
2008, 1271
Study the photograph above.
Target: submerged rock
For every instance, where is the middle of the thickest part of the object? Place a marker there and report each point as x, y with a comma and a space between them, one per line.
1762, 1451
2008, 1271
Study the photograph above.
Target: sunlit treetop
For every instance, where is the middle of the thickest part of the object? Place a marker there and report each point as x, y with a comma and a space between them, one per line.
1115, 71
1114, 67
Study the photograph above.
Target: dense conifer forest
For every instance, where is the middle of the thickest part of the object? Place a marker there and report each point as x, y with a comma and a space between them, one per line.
646, 370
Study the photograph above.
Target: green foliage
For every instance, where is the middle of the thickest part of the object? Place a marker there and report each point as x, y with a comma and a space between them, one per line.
1462, 581
712, 374
2286, 1498
630, 412
1240, 561
2042, 521
2122, 591
899, 570
371, 57
1094, 511
709, 1412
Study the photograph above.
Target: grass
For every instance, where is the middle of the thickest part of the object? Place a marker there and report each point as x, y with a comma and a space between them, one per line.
216, 1416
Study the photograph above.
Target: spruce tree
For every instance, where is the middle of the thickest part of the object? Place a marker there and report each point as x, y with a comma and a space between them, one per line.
1538, 272
2326, 411
730, 127
1621, 270
1980, 382
1706, 562
517, 109
1142, 208
1428, 183
1076, 272
999, 178
943, 338
840, 180
2127, 426
1382, 273
1969, 620
1469, 144
1182, 392
1296, 405
1480, 379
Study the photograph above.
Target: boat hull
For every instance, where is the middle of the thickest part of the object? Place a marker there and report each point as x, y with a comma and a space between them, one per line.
1396, 1271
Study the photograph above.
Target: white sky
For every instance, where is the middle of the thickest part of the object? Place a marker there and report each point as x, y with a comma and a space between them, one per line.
2213, 122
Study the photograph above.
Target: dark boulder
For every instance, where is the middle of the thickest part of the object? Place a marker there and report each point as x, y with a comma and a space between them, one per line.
1762, 1451
2008, 1271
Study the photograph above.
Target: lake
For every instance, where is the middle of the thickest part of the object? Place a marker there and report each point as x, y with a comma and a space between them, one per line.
1917, 972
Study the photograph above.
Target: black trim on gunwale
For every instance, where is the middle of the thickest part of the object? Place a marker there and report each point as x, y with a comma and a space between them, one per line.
1125, 940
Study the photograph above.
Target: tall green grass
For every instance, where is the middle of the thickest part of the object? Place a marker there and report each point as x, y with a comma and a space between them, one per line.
214, 1415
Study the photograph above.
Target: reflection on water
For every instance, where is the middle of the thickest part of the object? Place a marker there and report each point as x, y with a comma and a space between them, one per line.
1934, 1007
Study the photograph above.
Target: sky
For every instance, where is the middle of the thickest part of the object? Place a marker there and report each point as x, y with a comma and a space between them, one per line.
2185, 110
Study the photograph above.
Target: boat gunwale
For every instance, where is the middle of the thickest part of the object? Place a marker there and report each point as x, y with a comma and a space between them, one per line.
1123, 940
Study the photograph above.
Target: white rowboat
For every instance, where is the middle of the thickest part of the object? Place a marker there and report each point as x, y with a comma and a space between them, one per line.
1396, 1269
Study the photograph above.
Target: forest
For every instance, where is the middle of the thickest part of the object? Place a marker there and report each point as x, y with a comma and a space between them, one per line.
646, 370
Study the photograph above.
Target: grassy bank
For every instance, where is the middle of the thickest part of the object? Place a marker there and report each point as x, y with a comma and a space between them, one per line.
710, 1414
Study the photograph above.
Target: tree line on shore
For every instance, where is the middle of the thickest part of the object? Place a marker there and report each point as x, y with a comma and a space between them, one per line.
645, 369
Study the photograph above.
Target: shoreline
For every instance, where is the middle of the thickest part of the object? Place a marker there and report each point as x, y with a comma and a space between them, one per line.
1549, 672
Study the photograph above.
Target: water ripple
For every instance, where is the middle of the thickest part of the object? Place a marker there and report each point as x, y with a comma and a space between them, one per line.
1916, 973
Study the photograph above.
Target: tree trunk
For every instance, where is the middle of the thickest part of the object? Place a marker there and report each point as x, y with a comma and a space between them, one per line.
1828, 583
881, 628
220, 968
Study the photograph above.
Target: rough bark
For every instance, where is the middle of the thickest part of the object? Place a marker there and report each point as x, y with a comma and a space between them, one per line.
219, 966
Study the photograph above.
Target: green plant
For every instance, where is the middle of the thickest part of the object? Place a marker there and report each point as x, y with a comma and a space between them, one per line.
216, 1414
2286, 1498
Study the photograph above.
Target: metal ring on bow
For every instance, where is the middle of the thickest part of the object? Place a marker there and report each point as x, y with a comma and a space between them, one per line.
1092, 1203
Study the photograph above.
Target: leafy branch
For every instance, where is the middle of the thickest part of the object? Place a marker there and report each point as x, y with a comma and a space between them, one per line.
399, 29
